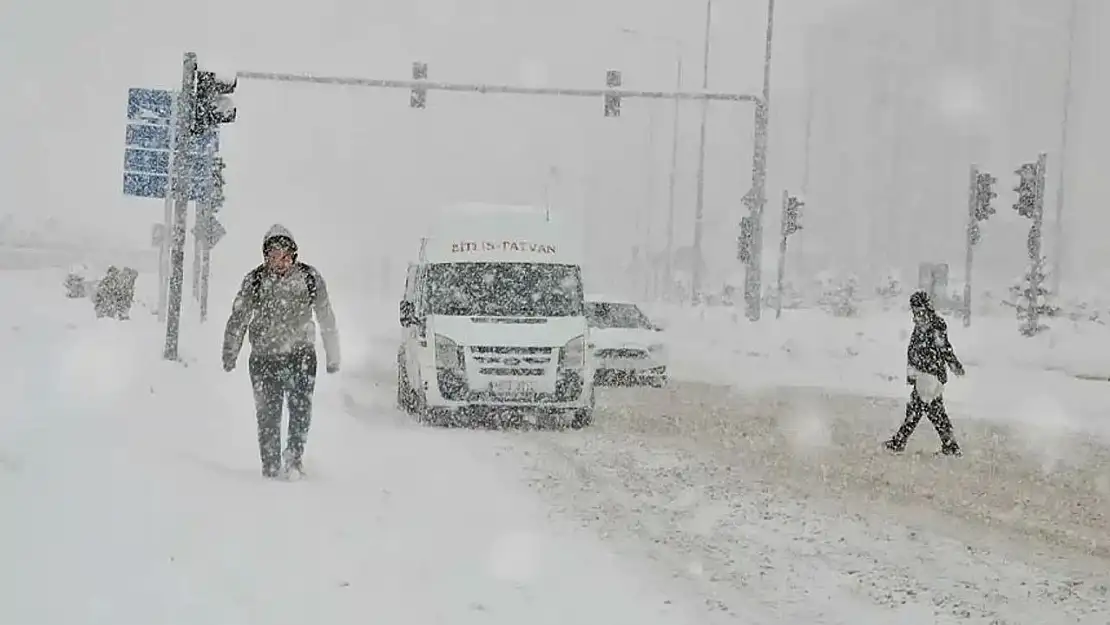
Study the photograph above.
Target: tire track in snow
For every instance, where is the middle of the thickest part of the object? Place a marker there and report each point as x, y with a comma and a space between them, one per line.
750, 498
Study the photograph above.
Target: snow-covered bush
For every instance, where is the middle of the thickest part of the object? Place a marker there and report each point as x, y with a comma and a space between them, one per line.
840, 295
792, 297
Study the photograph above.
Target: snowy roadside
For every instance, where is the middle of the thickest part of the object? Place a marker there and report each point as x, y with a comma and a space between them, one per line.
132, 494
1053, 379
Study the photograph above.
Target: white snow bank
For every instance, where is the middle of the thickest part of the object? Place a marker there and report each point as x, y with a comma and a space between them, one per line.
1010, 377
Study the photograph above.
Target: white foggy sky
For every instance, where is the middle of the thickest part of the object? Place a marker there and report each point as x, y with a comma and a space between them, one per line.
338, 165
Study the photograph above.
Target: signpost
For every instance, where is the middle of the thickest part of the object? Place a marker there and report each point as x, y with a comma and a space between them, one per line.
147, 157
170, 153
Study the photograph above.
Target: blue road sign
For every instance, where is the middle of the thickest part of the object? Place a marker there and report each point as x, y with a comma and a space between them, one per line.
147, 143
153, 105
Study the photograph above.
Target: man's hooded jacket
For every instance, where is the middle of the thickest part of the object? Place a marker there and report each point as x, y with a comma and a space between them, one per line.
276, 311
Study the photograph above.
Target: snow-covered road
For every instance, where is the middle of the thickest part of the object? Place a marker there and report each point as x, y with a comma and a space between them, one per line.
129, 492
783, 501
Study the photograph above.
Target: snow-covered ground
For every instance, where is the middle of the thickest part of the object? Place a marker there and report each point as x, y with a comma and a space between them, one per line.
131, 493
130, 490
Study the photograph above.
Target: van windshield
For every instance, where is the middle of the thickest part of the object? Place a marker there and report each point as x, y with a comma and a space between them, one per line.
504, 290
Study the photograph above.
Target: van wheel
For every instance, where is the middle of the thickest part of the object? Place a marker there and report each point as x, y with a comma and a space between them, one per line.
407, 401
402, 390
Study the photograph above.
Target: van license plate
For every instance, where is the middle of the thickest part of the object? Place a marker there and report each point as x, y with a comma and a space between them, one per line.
512, 387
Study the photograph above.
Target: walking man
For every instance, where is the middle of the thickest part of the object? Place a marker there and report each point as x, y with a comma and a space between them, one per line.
929, 357
275, 308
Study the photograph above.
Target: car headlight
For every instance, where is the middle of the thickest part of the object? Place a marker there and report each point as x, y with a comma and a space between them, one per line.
573, 354
448, 353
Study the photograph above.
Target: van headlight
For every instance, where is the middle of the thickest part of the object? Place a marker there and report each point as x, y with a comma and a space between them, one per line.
573, 354
448, 353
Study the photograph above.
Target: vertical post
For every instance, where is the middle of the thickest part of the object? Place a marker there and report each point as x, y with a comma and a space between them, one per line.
972, 224
206, 219
197, 246
205, 269
753, 283
669, 266
167, 217
1035, 243
782, 254
1061, 184
799, 243
699, 207
164, 249
181, 206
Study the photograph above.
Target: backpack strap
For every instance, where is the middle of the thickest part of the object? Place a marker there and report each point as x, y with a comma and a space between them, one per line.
309, 282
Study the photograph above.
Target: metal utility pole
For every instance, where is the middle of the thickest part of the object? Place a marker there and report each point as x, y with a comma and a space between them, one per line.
204, 212
205, 228
699, 207
972, 225
1061, 185
167, 220
669, 267
181, 205
1035, 246
668, 271
781, 275
753, 283
197, 250
805, 166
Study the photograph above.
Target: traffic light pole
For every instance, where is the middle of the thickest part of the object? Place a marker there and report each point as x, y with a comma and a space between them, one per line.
755, 200
181, 206
782, 254
972, 224
1036, 236
205, 268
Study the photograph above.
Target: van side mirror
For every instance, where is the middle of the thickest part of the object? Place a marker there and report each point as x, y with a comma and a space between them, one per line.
408, 314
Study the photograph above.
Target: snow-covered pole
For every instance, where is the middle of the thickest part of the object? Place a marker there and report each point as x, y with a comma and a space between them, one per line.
186, 105
1030, 204
972, 235
791, 223
167, 222
1036, 274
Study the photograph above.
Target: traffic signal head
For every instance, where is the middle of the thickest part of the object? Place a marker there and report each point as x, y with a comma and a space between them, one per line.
218, 181
984, 194
1026, 190
612, 101
792, 215
212, 105
744, 241
418, 98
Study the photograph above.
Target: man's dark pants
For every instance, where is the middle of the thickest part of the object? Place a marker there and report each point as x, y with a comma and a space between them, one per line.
280, 379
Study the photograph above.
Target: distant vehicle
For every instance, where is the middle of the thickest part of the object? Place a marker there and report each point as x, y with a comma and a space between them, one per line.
494, 321
627, 346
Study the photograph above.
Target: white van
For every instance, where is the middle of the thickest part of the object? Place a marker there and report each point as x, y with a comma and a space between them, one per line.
493, 321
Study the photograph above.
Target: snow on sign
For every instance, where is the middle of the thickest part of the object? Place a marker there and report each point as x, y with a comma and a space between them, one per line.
147, 143
465, 247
